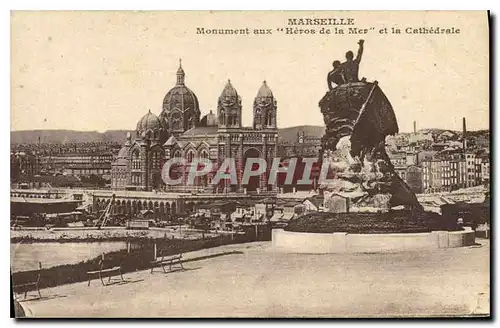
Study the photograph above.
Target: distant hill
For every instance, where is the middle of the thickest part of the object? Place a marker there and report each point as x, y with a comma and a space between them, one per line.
286, 134
457, 134
61, 136
116, 135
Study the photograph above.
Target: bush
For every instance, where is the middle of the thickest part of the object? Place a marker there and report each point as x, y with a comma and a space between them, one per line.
383, 222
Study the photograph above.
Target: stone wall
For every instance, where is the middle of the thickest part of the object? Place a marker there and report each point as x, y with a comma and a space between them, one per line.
341, 242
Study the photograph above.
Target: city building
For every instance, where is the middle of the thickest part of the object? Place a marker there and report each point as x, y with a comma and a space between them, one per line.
23, 164
445, 172
431, 175
414, 179
304, 147
417, 137
180, 133
78, 163
470, 158
478, 164
425, 155
485, 169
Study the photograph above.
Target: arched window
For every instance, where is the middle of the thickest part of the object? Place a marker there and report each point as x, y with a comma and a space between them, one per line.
176, 121
177, 154
136, 160
269, 119
222, 117
204, 154
190, 156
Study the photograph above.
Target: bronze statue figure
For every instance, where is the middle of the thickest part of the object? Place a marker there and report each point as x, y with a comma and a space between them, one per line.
347, 72
336, 75
350, 67
358, 117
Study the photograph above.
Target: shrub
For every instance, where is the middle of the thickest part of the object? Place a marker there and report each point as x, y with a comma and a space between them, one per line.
384, 222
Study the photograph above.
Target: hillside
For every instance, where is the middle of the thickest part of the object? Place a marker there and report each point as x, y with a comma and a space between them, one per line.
286, 134
62, 136
66, 136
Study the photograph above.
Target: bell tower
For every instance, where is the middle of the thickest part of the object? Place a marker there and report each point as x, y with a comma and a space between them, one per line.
229, 107
264, 109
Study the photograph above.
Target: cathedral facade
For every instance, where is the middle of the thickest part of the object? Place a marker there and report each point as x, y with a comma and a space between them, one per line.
180, 132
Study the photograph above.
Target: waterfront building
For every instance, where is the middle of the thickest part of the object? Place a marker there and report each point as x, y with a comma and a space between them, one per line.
23, 164
79, 163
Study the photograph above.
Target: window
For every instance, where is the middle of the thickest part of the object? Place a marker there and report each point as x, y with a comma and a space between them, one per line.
176, 121
222, 119
269, 119
190, 156
155, 160
136, 160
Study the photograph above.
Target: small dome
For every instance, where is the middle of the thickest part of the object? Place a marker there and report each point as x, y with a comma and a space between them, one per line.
123, 153
209, 120
229, 91
264, 91
149, 122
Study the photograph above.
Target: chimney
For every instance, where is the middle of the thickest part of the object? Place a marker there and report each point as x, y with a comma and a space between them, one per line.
414, 126
464, 133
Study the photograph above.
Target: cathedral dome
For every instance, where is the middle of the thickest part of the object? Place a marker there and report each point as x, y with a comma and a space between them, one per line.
149, 122
182, 100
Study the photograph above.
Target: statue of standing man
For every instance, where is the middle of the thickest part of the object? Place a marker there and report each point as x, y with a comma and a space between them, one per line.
350, 67
346, 72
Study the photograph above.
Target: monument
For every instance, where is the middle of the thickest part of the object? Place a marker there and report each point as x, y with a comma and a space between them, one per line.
369, 207
358, 117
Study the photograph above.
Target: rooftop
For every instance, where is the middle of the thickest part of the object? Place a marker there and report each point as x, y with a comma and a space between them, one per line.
201, 130
42, 200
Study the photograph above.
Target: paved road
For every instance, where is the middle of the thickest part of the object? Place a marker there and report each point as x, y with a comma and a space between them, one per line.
259, 282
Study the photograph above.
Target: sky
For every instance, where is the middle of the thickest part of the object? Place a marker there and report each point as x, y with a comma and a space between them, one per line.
105, 70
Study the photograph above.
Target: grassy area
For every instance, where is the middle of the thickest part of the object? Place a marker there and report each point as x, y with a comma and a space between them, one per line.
383, 222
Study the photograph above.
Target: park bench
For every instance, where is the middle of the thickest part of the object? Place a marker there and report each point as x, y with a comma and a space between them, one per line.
105, 271
31, 285
167, 260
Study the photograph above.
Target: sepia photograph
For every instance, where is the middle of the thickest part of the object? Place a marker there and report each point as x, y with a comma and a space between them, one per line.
250, 164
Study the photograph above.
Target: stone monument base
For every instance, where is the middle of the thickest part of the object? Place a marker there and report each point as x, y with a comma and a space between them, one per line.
342, 242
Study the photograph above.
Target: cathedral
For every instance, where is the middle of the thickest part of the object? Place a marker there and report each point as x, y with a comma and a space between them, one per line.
180, 131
